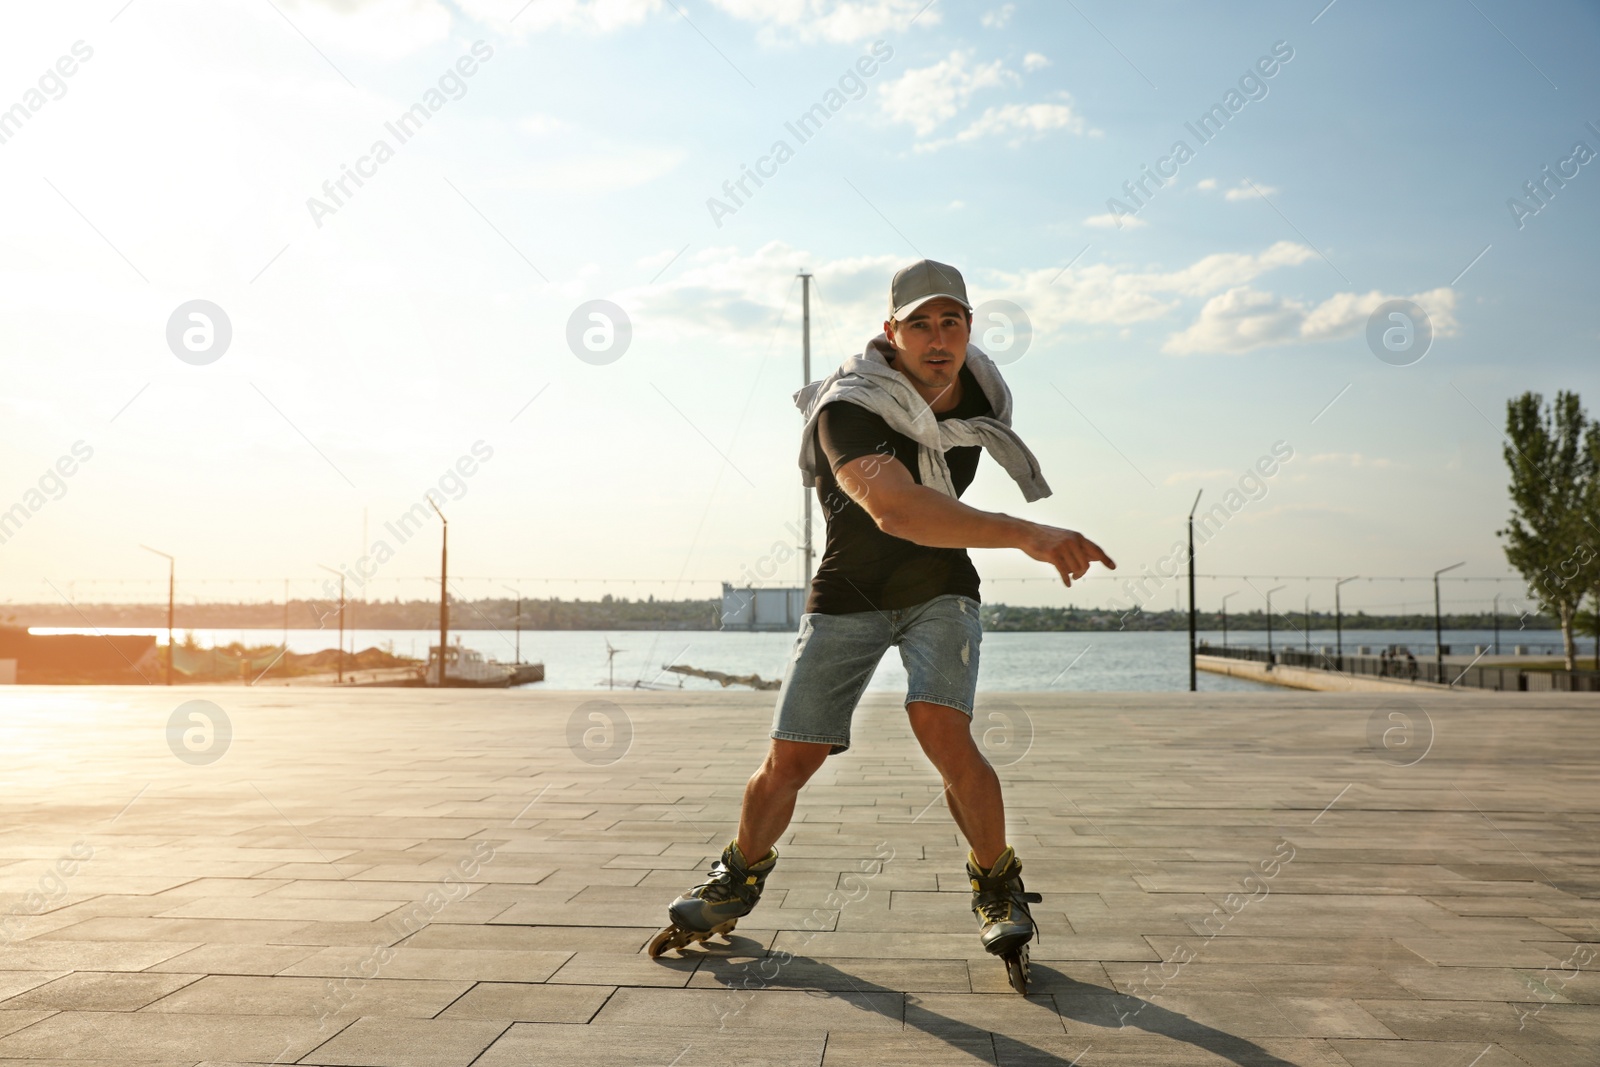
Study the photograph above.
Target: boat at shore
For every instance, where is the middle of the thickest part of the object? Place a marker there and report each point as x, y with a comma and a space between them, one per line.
467, 668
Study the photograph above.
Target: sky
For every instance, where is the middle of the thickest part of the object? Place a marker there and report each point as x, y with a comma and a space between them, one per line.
1189, 314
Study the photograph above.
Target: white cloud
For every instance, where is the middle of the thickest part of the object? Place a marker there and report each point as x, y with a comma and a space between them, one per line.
1108, 221
828, 20
999, 17
388, 29
1206, 183
1026, 121
1034, 61
1243, 319
1106, 294
1351, 459
1245, 191
924, 97
397, 27
955, 205
726, 292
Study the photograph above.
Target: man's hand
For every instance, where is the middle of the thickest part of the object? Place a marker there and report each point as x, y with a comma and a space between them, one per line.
1068, 551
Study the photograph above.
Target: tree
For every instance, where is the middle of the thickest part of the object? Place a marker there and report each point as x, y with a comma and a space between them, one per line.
1550, 538
1591, 518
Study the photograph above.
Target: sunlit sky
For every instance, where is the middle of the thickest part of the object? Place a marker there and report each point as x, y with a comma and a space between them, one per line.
379, 338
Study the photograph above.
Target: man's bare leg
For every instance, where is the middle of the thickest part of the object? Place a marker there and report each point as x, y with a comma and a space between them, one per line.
972, 789
770, 794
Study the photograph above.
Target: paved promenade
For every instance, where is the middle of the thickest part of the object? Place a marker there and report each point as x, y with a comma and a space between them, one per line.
411, 878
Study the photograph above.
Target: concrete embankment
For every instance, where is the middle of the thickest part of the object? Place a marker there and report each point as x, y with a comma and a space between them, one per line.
1306, 678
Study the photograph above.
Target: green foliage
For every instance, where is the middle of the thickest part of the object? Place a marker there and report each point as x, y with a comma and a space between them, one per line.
1550, 537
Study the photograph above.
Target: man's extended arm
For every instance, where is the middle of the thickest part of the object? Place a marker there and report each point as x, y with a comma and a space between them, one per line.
912, 512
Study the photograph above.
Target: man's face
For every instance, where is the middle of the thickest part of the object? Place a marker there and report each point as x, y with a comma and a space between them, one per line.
931, 343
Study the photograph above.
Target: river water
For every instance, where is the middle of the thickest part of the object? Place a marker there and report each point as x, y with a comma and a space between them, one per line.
1009, 662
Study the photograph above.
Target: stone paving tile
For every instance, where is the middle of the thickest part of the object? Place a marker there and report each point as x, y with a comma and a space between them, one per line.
336, 934
127, 1037
921, 976
1482, 952
697, 1009
1063, 978
1288, 980
302, 910
464, 964
246, 995
14, 982
554, 1045
90, 955
1396, 1053
408, 1043
499, 938
137, 928
629, 968
100, 991
970, 1015
1133, 1049
848, 1049
235, 959
528, 1002
12, 1021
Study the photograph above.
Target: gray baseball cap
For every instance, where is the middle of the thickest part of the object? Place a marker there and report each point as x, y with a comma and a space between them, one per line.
921, 282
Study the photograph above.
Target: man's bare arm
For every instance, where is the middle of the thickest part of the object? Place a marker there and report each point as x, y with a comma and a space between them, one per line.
902, 508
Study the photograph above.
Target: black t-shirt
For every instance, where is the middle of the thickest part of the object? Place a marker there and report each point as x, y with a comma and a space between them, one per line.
863, 568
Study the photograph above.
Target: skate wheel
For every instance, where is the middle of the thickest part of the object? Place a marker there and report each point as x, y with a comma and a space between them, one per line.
1017, 969
671, 937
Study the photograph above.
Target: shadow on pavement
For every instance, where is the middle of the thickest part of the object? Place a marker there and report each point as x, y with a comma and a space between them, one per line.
1049, 990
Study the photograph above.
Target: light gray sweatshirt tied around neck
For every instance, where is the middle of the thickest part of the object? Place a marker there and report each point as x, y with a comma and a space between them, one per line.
869, 381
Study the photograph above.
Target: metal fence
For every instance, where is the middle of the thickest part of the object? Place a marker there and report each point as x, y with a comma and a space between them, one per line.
1401, 669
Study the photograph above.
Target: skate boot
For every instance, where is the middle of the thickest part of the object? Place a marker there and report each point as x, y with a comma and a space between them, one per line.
1001, 905
715, 905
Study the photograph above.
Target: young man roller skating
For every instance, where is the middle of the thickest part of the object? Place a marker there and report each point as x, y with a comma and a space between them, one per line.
892, 438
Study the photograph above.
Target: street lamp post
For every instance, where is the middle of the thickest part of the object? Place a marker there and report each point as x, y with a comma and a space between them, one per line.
1438, 624
1269, 623
518, 592
1225, 617
1497, 624
330, 570
1191, 589
444, 588
172, 568
1308, 624
1338, 619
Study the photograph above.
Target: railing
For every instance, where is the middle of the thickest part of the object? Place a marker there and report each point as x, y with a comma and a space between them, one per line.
1515, 679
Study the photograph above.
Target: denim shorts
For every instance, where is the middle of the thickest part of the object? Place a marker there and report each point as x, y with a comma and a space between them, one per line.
835, 656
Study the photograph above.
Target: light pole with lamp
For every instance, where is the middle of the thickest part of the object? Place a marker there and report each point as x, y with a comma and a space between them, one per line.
1497, 624
518, 592
1225, 616
1191, 589
1338, 619
172, 569
1269, 623
1438, 625
1308, 624
330, 570
444, 589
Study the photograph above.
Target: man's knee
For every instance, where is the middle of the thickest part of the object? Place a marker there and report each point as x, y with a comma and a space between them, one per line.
945, 734
792, 763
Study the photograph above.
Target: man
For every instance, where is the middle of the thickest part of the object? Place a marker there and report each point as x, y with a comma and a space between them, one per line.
900, 429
